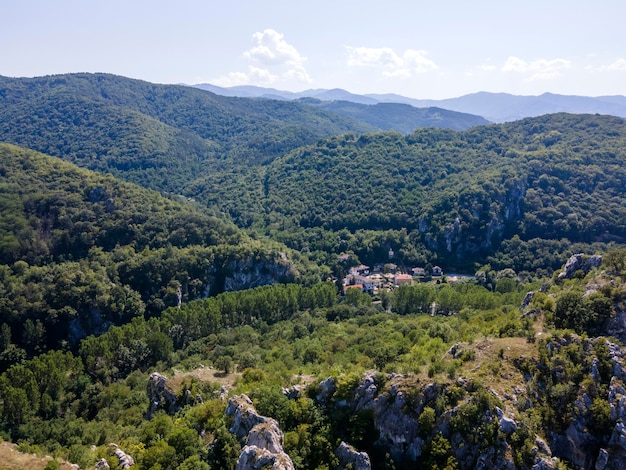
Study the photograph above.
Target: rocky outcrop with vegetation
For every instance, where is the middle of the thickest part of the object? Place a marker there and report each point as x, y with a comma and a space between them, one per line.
262, 437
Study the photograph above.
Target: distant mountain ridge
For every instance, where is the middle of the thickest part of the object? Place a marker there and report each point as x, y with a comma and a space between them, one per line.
400, 117
495, 107
159, 136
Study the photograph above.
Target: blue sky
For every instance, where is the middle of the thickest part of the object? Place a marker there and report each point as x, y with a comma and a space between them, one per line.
421, 49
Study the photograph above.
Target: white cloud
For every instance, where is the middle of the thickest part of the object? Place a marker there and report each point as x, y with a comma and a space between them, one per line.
393, 65
272, 49
272, 59
541, 69
619, 64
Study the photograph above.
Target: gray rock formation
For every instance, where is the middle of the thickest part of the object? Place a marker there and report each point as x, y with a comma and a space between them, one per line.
602, 460
254, 458
616, 326
125, 460
246, 274
294, 392
102, 465
348, 455
507, 424
528, 298
326, 390
262, 435
582, 262
160, 395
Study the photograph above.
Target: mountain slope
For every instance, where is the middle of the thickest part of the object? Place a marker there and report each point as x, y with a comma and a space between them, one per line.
457, 197
501, 107
160, 136
399, 117
495, 107
80, 251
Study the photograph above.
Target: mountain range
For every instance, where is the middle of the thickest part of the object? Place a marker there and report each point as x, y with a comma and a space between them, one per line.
139, 326
495, 107
300, 172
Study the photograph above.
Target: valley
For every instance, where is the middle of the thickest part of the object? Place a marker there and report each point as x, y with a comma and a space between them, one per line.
195, 280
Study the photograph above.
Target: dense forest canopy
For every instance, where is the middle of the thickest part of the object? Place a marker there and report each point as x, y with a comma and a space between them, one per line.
159, 136
508, 191
105, 285
400, 117
80, 251
523, 194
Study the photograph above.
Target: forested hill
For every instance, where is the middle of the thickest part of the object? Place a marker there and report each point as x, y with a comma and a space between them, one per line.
530, 188
400, 117
80, 251
159, 136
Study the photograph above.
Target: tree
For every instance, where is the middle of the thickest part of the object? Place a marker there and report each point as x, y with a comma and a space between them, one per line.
616, 259
569, 311
225, 364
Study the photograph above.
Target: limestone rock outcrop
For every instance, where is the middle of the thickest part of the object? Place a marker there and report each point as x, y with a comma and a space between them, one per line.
102, 465
582, 262
348, 455
262, 436
160, 395
125, 460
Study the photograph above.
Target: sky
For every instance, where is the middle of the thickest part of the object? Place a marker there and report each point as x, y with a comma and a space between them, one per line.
420, 49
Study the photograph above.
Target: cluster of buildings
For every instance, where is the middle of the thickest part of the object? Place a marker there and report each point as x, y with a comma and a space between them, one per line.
384, 276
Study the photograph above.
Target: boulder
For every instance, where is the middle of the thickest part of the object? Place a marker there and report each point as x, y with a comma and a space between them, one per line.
528, 298
507, 425
294, 392
263, 437
245, 416
125, 460
602, 460
327, 389
254, 458
544, 463
348, 455
102, 465
160, 395
582, 262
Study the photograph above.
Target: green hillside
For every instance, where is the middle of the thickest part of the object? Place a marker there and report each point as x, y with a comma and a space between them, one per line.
480, 386
399, 117
132, 324
80, 251
518, 194
159, 136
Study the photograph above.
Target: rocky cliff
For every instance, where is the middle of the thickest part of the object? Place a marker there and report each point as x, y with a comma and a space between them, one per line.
262, 437
468, 425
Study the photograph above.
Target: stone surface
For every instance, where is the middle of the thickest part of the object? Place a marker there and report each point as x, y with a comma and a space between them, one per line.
254, 458
263, 438
348, 455
125, 460
102, 465
582, 262
528, 298
602, 460
160, 396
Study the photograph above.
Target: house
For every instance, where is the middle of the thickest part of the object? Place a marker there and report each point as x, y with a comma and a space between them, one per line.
368, 284
419, 272
437, 271
360, 270
401, 279
352, 286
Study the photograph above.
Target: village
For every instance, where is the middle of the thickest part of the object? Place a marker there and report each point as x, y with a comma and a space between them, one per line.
386, 276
